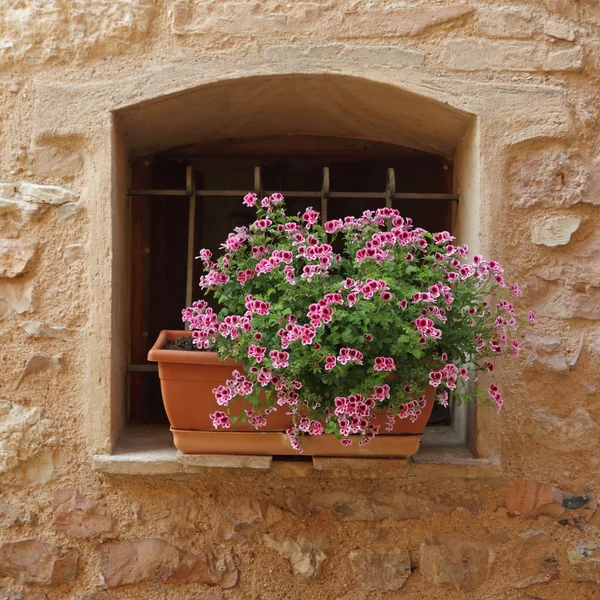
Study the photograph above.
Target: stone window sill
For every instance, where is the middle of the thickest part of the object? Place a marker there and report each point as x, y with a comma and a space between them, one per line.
150, 451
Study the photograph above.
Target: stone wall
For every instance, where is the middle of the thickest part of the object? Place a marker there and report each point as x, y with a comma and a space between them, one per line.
512, 89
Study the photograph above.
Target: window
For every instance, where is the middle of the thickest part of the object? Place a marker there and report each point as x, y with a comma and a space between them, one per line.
189, 198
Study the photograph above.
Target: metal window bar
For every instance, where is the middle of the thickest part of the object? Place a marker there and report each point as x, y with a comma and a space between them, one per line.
325, 194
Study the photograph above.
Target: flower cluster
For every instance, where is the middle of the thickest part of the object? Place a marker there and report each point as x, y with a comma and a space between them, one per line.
344, 325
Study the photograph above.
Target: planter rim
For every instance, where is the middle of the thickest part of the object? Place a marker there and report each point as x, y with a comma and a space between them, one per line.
158, 353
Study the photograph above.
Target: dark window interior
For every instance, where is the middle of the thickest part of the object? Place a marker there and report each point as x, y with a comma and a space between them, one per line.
159, 223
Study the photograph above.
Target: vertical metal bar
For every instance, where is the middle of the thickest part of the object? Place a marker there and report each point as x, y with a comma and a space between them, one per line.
258, 188
190, 184
324, 195
390, 190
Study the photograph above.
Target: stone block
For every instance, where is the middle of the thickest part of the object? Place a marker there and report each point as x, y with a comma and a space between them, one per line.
39, 363
536, 561
361, 467
15, 257
18, 294
72, 254
221, 461
585, 561
139, 560
397, 22
506, 23
32, 561
43, 330
81, 517
23, 434
385, 569
554, 231
559, 29
245, 516
44, 194
305, 557
450, 561
577, 432
492, 55
53, 162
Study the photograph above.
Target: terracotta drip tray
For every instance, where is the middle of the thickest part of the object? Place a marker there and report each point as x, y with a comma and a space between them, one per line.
275, 443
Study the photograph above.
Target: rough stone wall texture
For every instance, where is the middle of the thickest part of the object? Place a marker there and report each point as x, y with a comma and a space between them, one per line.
529, 530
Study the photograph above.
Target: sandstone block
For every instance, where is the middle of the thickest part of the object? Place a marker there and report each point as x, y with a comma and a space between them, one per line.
72, 254
44, 194
483, 55
139, 560
80, 516
559, 29
11, 516
305, 557
39, 364
549, 174
554, 231
506, 23
449, 561
245, 516
577, 432
23, 434
402, 21
15, 257
32, 561
56, 163
67, 211
10, 595
43, 330
585, 561
532, 499
536, 562
182, 517
545, 355
18, 293
384, 569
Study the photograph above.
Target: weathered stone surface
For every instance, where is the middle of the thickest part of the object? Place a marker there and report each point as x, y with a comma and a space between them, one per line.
506, 23
305, 557
72, 254
193, 17
554, 231
595, 348
23, 434
32, 561
375, 507
44, 194
246, 516
182, 517
545, 355
536, 562
139, 560
10, 595
43, 330
398, 56
380, 569
577, 432
448, 560
402, 21
38, 364
559, 29
98, 596
15, 257
54, 162
549, 174
12, 516
80, 516
482, 55
17, 293
49, 31
532, 499
585, 561
66, 211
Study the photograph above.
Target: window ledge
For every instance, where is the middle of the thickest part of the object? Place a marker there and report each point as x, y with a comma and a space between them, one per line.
150, 451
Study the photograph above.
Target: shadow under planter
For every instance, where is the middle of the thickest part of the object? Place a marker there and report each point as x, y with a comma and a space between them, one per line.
187, 379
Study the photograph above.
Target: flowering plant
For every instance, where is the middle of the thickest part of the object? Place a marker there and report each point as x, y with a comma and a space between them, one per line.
335, 337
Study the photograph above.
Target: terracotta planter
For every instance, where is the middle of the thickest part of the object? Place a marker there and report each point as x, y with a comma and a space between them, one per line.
187, 380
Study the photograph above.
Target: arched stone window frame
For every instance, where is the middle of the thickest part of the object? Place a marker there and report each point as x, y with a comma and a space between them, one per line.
479, 124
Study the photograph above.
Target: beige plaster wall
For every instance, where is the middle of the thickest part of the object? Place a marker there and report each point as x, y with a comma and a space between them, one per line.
511, 90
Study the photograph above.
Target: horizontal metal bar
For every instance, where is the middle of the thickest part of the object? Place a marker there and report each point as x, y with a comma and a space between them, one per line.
306, 194
142, 368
